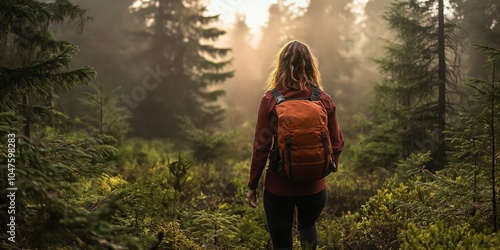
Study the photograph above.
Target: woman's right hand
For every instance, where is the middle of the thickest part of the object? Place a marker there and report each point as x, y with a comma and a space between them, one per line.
252, 197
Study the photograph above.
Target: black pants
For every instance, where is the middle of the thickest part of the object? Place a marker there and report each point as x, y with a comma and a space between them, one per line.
280, 215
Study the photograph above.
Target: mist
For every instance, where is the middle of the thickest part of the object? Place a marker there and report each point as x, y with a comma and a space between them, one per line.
128, 124
121, 44
345, 42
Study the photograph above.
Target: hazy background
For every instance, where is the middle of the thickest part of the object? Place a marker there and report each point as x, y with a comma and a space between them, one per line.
343, 34
153, 148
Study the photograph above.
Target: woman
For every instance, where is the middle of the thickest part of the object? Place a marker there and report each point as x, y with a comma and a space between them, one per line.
295, 72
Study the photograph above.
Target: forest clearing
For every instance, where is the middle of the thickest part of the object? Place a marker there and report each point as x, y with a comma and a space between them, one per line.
129, 124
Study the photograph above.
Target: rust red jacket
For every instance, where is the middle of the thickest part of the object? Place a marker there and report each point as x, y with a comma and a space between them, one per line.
266, 129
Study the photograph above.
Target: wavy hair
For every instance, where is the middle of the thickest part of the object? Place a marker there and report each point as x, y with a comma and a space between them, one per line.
295, 67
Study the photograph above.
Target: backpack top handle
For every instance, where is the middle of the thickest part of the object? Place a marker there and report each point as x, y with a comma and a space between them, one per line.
315, 96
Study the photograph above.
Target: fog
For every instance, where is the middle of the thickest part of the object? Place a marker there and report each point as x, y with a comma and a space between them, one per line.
344, 36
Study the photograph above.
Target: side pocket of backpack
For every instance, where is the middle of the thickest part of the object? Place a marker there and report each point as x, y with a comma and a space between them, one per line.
276, 161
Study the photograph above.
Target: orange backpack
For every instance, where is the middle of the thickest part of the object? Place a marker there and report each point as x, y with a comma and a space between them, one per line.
303, 151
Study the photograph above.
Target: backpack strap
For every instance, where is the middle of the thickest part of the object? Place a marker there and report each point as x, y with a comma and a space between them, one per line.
315, 96
278, 96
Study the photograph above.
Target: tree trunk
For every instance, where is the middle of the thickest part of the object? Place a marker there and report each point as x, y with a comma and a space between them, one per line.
493, 151
441, 147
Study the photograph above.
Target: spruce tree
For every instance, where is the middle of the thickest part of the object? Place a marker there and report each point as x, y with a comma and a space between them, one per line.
469, 185
52, 209
440, 153
484, 117
32, 63
102, 114
406, 99
189, 67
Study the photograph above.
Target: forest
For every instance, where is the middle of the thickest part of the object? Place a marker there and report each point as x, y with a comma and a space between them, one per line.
129, 124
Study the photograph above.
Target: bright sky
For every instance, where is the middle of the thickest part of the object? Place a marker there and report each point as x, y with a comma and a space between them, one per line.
256, 11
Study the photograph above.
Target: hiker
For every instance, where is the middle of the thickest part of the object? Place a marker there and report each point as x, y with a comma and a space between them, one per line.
295, 76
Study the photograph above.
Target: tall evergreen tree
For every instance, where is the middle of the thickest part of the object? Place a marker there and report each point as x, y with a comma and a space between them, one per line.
32, 63
488, 117
187, 67
406, 100
476, 142
440, 154
46, 168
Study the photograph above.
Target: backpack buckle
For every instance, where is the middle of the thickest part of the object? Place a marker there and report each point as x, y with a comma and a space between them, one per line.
278, 96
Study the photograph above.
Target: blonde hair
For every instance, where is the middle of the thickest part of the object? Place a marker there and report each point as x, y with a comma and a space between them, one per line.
294, 67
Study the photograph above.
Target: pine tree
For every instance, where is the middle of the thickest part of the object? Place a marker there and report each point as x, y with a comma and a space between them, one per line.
469, 185
440, 153
406, 99
32, 63
179, 47
484, 120
50, 166
102, 114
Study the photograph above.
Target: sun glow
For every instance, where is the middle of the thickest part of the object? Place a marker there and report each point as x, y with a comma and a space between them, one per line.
256, 12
